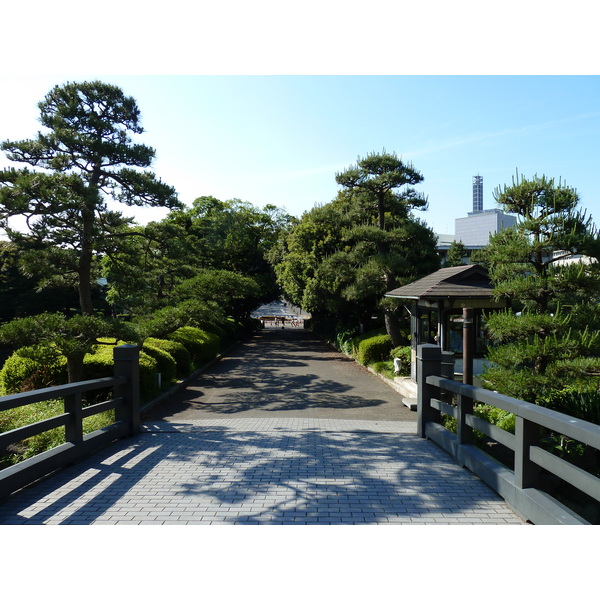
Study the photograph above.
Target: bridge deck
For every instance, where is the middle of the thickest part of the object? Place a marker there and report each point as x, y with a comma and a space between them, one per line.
280, 431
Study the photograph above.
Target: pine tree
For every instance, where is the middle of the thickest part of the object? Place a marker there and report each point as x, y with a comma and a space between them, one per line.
553, 294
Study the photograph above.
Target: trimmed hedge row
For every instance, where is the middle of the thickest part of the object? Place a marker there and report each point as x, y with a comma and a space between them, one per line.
186, 349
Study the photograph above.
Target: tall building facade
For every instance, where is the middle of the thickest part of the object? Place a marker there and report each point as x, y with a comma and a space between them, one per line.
475, 229
477, 193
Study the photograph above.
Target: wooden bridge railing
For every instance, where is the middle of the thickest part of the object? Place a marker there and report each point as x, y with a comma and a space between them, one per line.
125, 402
522, 486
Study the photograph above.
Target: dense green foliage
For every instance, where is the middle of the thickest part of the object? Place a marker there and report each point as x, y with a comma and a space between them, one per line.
341, 258
553, 322
374, 349
77, 276
86, 156
202, 345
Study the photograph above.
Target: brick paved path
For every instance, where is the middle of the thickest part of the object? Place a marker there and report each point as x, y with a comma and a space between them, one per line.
282, 431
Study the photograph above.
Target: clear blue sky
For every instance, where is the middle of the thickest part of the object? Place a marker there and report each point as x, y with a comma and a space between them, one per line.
281, 139
266, 103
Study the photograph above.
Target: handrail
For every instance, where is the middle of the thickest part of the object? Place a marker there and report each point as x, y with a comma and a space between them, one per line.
522, 486
583, 431
125, 402
57, 391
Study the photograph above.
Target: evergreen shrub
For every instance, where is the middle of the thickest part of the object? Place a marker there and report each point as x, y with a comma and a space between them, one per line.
101, 364
374, 349
183, 359
165, 363
202, 345
31, 368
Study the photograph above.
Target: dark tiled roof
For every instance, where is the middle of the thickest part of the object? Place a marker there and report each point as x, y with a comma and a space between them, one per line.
466, 281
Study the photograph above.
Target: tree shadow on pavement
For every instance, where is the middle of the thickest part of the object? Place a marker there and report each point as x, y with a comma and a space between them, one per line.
280, 476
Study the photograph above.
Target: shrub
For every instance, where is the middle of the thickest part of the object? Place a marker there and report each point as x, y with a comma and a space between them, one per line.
101, 364
374, 349
202, 345
165, 363
385, 368
32, 368
344, 339
577, 402
183, 359
496, 416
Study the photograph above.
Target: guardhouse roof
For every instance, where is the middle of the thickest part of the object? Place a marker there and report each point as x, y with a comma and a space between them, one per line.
466, 281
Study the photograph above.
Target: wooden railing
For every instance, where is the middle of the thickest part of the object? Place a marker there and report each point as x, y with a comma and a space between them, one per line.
524, 485
125, 402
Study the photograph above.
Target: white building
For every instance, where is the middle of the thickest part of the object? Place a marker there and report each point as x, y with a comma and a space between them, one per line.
475, 229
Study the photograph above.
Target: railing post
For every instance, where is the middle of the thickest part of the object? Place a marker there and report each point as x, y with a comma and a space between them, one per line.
127, 364
464, 433
74, 429
527, 434
429, 362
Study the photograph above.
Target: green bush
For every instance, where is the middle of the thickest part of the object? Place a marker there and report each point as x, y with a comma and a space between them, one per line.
165, 363
496, 416
202, 345
578, 402
344, 339
374, 349
183, 359
101, 364
32, 368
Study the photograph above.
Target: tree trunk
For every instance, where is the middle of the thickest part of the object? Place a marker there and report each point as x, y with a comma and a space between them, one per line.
86, 253
392, 326
75, 366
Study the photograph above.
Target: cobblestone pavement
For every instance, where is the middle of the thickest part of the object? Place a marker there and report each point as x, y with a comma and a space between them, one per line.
255, 462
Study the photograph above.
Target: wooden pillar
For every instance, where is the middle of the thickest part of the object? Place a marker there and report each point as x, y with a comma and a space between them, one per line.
127, 364
468, 345
429, 362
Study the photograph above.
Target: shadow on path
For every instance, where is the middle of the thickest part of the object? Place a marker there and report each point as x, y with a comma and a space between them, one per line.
285, 372
233, 475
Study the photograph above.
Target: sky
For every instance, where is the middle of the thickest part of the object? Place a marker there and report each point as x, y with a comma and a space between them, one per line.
281, 139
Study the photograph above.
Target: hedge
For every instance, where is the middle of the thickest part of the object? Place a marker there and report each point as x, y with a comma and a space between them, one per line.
374, 349
30, 369
165, 363
202, 345
101, 364
183, 359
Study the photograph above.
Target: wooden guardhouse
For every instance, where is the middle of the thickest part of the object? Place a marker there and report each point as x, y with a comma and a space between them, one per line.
437, 306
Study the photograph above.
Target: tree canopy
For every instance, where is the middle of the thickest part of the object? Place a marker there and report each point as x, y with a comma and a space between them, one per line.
86, 157
547, 267
342, 257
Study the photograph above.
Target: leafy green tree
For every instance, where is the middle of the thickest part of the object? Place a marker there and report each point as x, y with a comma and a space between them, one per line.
232, 236
338, 262
145, 269
21, 295
236, 236
381, 187
237, 295
86, 157
554, 315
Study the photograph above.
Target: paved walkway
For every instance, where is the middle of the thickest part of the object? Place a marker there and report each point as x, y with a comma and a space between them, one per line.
281, 431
